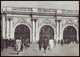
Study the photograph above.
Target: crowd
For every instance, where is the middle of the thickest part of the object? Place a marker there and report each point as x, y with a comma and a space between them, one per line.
46, 43
19, 43
16, 44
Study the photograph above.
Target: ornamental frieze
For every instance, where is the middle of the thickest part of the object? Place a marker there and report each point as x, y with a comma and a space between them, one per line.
22, 20
71, 22
46, 21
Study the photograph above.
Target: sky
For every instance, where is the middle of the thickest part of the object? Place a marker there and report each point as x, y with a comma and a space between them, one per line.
70, 5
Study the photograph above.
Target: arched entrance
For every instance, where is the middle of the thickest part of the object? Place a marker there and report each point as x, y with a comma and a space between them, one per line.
70, 34
46, 31
22, 31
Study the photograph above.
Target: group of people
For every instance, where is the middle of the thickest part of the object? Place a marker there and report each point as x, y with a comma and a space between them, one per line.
45, 43
5, 43
16, 44
20, 43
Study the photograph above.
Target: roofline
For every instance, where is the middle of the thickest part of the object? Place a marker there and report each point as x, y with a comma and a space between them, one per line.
35, 7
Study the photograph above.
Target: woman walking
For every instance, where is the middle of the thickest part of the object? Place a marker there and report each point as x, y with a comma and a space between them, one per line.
51, 43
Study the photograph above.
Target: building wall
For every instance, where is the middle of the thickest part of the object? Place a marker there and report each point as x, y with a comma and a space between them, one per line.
15, 20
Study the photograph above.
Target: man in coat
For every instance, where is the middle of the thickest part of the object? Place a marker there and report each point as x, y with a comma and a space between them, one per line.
40, 44
45, 43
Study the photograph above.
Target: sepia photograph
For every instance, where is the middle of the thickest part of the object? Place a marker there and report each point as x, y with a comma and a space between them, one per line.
39, 28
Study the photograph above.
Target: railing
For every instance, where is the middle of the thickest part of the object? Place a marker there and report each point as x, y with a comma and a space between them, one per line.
40, 10
43, 10
20, 9
70, 11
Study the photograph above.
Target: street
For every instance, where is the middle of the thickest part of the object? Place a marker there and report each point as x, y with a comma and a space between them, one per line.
71, 49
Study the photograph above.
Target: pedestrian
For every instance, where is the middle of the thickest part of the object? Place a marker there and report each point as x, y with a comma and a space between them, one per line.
22, 44
45, 43
2, 44
6, 43
26, 43
40, 44
51, 43
54, 42
61, 42
18, 44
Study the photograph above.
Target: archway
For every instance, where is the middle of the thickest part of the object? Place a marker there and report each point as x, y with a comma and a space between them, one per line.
69, 34
22, 31
46, 31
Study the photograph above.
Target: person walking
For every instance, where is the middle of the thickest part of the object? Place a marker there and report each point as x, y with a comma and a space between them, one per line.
2, 44
18, 44
45, 43
54, 42
51, 43
26, 43
40, 44
61, 42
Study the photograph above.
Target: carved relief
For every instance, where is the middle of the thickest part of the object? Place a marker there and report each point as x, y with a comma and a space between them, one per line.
22, 20
66, 21
70, 21
76, 23
14, 21
47, 21
40, 22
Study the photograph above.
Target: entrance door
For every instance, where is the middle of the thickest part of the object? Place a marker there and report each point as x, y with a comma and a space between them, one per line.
22, 31
46, 31
70, 34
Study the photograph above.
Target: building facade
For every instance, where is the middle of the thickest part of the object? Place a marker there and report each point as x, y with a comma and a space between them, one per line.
35, 23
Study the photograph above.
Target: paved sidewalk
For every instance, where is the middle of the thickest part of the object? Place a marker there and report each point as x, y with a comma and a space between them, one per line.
33, 50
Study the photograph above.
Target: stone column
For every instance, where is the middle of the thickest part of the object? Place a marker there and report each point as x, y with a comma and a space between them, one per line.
78, 30
61, 36
11, 29
78, 35
37, 31
3, 26
34, 33
57, 31
7, 29
31, 28
60, 30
